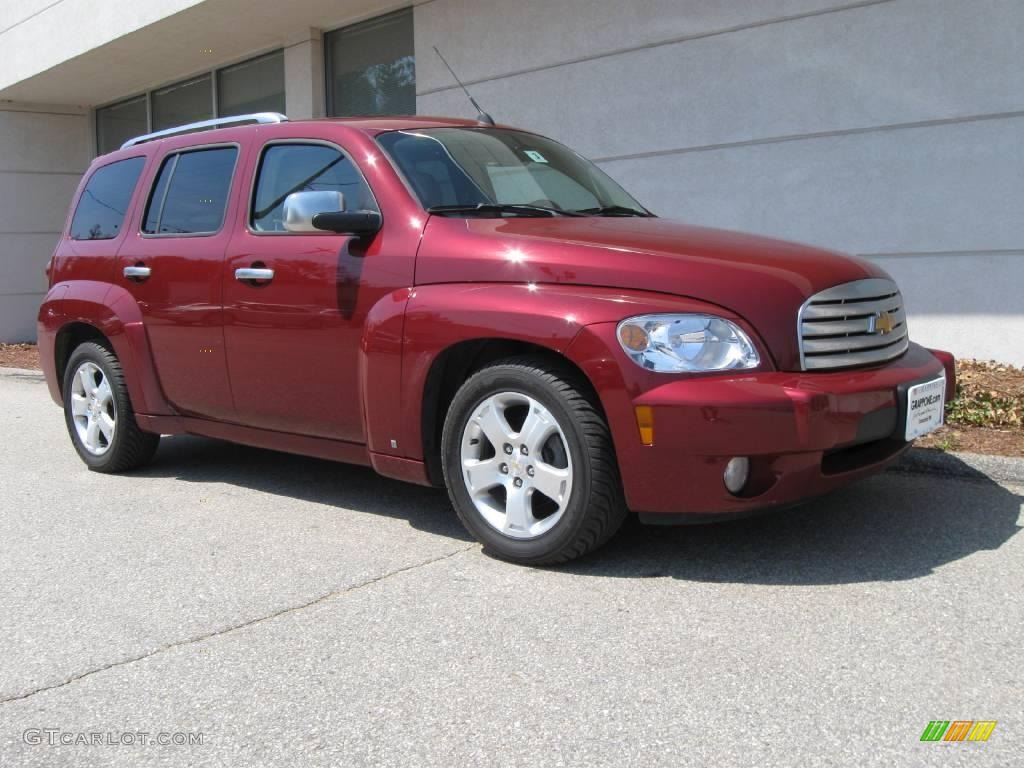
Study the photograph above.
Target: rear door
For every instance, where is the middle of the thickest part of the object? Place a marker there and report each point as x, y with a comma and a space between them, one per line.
172, 266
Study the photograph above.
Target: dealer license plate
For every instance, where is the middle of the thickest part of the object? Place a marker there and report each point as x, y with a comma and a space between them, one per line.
925, 406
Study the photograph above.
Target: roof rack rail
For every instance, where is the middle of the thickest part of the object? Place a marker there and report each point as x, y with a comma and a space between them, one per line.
217, 122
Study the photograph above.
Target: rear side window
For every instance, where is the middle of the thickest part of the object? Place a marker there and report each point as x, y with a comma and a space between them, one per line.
287, 168
104, 201
191, 192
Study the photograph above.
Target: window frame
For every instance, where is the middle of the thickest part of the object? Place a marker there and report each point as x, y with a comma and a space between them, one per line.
256, 176
129, 212
156, 178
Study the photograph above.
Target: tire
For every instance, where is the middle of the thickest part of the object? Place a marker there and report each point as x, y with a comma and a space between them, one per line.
99, 415
551, 502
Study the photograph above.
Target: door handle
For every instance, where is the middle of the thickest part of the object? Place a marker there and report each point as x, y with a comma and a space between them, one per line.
254, 273
137, 272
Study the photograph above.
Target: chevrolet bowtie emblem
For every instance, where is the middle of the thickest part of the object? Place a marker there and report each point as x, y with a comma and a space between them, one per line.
880, 322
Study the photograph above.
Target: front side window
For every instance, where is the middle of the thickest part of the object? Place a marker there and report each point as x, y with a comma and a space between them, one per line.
104, 201
454, 167
191, 192
288, 168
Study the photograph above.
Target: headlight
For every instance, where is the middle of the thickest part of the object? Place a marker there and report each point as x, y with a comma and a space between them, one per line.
686, 343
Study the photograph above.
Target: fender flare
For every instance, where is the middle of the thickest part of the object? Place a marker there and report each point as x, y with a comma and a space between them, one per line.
115, 314
407, 333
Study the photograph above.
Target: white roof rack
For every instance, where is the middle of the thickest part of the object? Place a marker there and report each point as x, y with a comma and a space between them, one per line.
217, 122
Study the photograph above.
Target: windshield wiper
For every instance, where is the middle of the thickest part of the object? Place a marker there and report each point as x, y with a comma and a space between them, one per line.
613, 210
520, 209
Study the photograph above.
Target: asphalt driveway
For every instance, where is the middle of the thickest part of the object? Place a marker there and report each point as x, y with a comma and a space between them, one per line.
288, 611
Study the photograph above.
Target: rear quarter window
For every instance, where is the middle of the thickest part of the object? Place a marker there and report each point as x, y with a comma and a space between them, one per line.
101, 209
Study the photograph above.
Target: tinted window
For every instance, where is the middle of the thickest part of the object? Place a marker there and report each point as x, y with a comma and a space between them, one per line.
256, 85
371, 67
287, 168
119, 122
182, 103
191, 192
104, 201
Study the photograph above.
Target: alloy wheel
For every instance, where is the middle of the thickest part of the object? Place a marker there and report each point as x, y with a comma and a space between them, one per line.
93, 408
516, 465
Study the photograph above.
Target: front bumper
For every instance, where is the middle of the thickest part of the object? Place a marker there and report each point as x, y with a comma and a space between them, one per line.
805, 433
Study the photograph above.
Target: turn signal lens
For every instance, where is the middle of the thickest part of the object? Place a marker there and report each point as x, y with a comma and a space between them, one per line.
634, 338
645, 423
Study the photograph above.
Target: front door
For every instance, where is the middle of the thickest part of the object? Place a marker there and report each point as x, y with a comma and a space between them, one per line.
172, 265
293, 335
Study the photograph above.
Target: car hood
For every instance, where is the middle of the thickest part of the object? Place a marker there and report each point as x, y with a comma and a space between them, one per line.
763, 280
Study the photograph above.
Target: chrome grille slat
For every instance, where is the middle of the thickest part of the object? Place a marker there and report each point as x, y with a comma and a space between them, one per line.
853, 309
842, 327
856, 359
837, 326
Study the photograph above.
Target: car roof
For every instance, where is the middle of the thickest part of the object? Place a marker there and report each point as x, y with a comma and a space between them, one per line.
372, 125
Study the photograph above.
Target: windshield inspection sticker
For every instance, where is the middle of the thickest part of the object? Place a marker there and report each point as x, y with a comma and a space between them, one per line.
537, 157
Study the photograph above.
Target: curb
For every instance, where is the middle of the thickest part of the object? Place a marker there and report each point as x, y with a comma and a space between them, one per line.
24, 374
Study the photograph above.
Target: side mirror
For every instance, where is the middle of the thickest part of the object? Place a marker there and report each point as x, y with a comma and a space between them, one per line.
349, 222
319, 211
301, 207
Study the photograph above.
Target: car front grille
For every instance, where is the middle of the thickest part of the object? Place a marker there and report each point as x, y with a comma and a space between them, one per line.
853, 324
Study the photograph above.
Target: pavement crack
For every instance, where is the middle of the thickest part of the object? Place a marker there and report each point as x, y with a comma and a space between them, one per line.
242, 625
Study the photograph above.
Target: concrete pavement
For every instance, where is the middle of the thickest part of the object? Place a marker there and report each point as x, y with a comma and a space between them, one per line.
299, 612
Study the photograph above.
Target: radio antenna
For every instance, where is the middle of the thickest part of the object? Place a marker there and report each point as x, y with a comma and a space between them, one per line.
482, 117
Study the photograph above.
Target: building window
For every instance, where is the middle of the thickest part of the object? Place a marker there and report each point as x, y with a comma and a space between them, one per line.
191, 192
119, 122
256, 85
371, 67
104, 201
181, 103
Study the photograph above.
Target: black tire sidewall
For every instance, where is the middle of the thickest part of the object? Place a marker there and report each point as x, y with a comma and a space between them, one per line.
100, 356
518, 379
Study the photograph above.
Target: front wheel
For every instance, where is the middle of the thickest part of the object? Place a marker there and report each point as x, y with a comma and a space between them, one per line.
99, 414
529, 463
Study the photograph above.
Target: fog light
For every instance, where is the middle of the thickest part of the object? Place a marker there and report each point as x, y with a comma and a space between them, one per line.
736, 473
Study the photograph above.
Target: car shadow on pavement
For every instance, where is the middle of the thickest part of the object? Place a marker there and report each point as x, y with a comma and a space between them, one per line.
203, 460
894, 526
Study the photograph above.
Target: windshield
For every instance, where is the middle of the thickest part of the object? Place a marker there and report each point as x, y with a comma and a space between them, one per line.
458, 170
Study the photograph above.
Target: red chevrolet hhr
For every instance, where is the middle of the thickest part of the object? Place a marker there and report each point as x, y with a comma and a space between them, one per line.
476, 306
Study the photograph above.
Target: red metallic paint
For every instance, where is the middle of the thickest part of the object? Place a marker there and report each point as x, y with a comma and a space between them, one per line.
762, 280
786, 420
333, 356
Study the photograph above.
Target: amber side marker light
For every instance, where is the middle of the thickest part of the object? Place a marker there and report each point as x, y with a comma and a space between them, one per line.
645, 423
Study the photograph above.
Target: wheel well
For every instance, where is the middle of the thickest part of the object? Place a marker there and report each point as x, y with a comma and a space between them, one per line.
68, 338
450, 370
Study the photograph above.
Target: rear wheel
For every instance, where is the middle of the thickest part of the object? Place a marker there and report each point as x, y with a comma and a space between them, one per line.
99, 413
529, 463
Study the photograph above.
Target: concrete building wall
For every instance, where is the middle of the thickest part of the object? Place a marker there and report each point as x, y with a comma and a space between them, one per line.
886, 128
43, 153
890, 129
